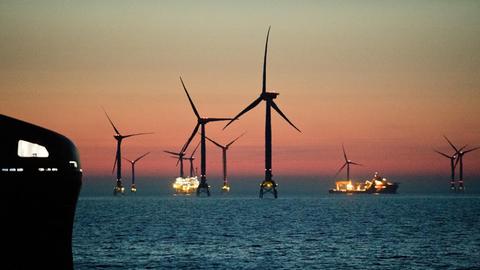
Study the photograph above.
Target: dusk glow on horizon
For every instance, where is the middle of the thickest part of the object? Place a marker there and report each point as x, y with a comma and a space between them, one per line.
386, 79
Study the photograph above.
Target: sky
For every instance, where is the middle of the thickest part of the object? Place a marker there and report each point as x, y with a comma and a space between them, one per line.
386, 78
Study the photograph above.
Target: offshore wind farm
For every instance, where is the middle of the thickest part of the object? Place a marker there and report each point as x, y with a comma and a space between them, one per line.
246, 135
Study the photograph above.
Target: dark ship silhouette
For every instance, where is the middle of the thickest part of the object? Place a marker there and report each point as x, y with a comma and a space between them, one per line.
41, 176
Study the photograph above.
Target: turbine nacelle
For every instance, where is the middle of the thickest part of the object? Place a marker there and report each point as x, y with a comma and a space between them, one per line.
269, 95
204, 120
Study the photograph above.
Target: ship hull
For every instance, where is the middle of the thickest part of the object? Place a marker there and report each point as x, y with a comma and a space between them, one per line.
390, 189
41, 176
40, 218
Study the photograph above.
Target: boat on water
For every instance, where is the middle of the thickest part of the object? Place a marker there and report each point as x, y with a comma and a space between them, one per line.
376, 185
42, 177
186, 185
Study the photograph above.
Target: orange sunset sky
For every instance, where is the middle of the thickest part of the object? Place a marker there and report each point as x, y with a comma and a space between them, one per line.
386, 78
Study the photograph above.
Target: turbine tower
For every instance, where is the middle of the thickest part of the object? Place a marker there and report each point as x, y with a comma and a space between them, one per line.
347, 163
191, 158
460, 153
201, 122
268, 185
452, 159
118, 156
133, 188
224, 148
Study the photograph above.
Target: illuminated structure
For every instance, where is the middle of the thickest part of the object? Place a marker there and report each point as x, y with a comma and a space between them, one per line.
460, 153
268, 185
182, 184
201, 122
376, 185
42, 174
186, 185
225, 187
133, 187
118, 156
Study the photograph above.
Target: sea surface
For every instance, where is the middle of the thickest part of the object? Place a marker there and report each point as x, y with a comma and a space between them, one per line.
322, 231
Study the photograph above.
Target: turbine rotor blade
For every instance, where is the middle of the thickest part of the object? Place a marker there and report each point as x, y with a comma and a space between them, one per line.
354, 163
218, 119
344, 153
128, 160
283, 115
251, 106
341, 168
445, 155
136, 134
214, 142
184, 148
140, 157
114, 128
264, 78
230, 143
115, 162
196, 147
456, 162
470, 150
190, 99
173, 153
451, 144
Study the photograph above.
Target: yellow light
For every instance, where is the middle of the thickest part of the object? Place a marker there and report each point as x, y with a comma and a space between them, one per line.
349, 186
186, 185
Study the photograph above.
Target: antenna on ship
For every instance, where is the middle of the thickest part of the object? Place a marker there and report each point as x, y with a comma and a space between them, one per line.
268, 185
133, 187
225, 187
201, 122
118, 156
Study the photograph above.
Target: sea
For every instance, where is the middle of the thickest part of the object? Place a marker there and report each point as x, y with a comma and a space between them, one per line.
299, 230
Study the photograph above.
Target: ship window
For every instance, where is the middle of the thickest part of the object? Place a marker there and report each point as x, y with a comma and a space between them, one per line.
28, 149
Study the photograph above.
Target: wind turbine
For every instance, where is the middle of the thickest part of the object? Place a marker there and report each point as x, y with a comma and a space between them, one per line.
191, 158
452, 166
459, 161
224, 148
118, 156
268, 185
133, 188
180, 157
347, 163
201, 122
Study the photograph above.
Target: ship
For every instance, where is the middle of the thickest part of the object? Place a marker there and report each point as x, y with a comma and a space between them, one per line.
41, 176
377, 185
186, 185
